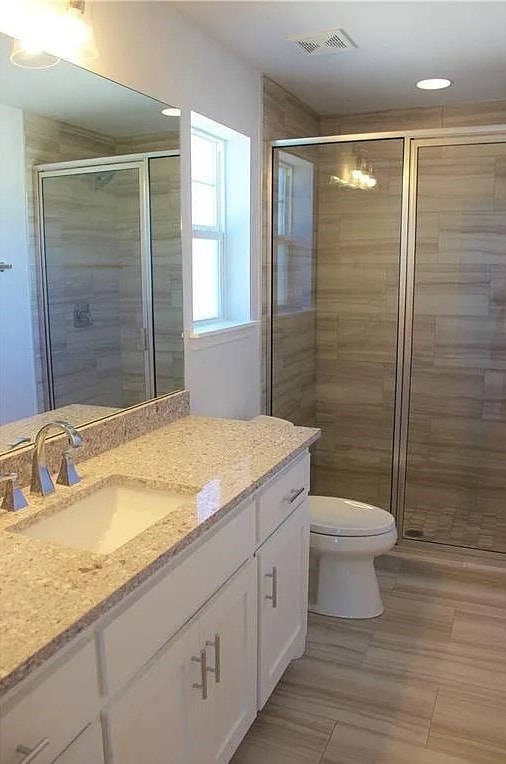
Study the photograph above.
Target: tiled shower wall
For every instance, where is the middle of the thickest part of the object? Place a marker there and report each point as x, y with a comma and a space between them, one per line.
286, 117
355, 302
357, 273
105, 274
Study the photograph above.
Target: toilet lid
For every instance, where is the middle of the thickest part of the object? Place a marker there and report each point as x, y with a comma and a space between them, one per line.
345, 517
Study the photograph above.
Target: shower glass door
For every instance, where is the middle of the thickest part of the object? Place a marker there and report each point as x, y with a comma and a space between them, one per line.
456, 447
93, 273
336, 254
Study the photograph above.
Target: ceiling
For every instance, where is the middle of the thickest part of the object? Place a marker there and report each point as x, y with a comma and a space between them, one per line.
398, 43
71, 94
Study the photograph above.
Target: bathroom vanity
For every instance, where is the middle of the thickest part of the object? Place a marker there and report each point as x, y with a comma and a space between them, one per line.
164, 649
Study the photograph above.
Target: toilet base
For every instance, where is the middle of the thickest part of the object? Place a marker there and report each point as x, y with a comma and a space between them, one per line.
346, 588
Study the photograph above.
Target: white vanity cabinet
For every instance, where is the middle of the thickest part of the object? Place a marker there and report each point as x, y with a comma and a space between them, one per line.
177, 670
44, 718
283, 567
282, 600
195, 700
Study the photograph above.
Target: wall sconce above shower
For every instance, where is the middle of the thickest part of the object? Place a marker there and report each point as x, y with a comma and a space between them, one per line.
46, 31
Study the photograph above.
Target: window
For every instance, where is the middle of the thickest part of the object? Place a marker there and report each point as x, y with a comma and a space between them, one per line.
285, 182
293, 240
285, 179
221, 226
208, 225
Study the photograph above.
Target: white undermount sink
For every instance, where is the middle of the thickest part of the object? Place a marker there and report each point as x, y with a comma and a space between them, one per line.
108, 517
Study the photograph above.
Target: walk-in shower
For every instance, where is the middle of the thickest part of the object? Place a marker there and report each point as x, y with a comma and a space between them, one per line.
110, 280
388, 322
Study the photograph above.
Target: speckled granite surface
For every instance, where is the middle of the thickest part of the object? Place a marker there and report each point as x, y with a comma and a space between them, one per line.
77, 413
101, 435
49, 593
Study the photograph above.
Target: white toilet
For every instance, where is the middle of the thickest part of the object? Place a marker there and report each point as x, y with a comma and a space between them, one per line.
346, 536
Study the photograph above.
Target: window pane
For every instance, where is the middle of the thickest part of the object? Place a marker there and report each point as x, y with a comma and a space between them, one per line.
204, 205
206, 279
204, 159
282, 274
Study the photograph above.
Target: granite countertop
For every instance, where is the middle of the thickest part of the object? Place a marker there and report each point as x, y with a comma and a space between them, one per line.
76, 413
49, 593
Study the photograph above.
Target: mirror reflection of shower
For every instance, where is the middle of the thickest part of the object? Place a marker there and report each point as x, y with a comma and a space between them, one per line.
110, 268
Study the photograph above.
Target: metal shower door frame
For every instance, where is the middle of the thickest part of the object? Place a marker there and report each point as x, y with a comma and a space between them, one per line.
413, 140
139, 162
407, 317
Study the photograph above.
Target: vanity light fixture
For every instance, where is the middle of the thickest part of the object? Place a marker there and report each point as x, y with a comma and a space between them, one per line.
435, 83
360, 177
171, 111
49, 30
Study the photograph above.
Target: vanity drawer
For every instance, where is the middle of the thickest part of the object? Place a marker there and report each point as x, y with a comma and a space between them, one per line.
281, 497
57, 707
135, 635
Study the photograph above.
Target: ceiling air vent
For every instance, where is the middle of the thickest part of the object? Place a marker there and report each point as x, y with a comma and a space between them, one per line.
323, 43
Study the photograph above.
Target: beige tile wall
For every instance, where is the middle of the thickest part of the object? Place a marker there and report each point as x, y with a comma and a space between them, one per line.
356, 296
357, 272
108, 276
285, 116
457, 434
462, 115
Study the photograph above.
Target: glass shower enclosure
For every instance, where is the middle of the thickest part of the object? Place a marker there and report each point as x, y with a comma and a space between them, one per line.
388, 323
110, 286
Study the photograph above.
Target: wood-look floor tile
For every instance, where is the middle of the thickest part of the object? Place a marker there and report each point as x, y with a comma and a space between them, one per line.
340, 640
480, 630
478, 592
358, 696
471, 723
414, 620
284, 736
356, 745
446, 664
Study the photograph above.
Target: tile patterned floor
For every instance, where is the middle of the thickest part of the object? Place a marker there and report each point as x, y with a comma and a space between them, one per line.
423, 684
463, 527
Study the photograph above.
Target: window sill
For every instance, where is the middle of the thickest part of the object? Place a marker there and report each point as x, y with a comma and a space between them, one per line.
219, 332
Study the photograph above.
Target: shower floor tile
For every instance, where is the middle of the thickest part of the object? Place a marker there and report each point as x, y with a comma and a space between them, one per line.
457, 526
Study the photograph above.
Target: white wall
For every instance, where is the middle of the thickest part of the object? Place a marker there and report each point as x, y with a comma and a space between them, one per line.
18, 396
151, 47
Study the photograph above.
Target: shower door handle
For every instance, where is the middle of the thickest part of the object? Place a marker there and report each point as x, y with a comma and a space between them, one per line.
5, 266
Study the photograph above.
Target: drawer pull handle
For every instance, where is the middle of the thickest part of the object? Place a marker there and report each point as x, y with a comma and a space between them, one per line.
217, 657
31, 753
294, 494
274, 596
202, 659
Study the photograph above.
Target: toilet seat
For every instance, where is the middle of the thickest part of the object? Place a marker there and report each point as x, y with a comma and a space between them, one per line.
332, 516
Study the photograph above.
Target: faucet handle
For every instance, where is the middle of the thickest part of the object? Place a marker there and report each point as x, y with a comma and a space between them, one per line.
13, 498
68, 474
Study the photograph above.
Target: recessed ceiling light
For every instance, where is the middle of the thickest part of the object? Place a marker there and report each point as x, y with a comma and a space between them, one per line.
437, 83
171, 111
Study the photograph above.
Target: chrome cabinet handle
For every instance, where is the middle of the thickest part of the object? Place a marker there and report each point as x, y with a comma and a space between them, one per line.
274, 595
31, 753
202, 659
217, 657
294, 494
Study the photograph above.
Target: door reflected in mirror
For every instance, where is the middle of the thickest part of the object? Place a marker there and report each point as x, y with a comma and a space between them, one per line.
91, 314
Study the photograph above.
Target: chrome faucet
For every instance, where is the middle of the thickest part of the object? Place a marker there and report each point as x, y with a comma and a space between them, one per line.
13, 497
42, 483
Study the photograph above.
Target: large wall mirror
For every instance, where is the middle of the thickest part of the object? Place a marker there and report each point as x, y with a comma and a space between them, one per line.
91, 315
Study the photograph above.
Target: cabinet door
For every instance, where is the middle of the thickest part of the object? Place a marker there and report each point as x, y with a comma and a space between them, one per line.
155, 718
87, 748
282, 599
228, 632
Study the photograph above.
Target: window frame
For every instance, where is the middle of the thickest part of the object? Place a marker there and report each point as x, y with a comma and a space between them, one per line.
214, 233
